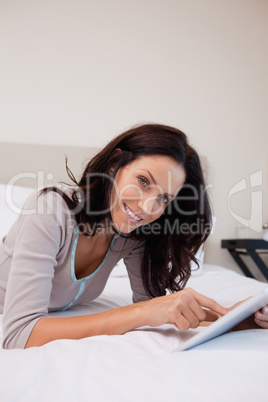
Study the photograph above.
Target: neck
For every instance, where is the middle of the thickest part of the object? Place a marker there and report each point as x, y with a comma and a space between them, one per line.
103, 228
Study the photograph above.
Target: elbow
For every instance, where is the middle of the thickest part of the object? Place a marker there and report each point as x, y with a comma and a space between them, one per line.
15, 336
12, 341
9, 343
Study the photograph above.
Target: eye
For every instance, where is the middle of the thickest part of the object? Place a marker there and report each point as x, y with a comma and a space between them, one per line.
143, 181
164, 199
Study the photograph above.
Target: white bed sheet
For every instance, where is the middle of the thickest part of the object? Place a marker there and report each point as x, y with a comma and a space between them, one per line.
143, 365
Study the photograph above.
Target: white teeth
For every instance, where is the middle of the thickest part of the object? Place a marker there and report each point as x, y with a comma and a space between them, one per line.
131, 214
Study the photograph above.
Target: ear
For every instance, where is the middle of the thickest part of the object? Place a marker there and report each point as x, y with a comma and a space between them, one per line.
115, 152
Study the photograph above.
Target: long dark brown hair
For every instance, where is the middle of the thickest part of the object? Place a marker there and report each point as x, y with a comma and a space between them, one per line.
171, 241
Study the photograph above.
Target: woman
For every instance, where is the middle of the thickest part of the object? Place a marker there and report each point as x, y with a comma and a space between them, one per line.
142, 198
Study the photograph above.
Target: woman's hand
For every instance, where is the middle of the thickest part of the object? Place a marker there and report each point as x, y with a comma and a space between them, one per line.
183, 309
261, 317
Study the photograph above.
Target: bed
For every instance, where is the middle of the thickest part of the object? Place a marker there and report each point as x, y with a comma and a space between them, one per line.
141, 365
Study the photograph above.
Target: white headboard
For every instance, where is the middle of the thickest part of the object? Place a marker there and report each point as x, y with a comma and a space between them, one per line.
31, 165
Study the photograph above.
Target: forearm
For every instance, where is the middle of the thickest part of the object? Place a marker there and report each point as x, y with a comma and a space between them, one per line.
183, 309
113, 322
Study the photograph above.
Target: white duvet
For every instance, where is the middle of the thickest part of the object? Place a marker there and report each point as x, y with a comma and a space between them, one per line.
143, 365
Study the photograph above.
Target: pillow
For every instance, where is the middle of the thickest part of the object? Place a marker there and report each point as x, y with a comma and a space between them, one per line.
200, 255
11, 201
195, 270
120, 270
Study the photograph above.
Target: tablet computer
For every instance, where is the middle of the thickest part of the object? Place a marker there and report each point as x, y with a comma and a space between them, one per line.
228, 321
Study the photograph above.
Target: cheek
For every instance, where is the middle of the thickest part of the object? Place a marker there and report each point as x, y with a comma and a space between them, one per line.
124, 194
159, 212
129, 192
156, 212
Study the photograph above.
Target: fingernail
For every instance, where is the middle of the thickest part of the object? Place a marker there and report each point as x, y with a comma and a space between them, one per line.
265, 310
258, 315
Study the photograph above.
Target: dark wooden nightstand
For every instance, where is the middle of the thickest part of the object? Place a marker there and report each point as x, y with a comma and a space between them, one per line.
251, 247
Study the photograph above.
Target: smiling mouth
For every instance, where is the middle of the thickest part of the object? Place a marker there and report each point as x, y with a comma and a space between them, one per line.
131, 214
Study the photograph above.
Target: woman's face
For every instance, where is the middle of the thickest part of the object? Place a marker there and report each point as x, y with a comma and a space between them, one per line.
143, 189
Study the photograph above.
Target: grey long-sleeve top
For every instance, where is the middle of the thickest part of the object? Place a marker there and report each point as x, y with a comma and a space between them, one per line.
37, 273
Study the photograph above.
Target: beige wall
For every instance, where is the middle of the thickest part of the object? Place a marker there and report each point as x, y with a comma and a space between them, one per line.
79, 72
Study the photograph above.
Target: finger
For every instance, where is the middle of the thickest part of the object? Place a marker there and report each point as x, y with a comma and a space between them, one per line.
264, 310
181, 323
192, 319
261, 323
260, 316
205, 301
188, 303
211, 316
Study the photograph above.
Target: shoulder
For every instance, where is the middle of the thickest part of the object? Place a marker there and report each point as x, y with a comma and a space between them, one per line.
48, 205
48, 196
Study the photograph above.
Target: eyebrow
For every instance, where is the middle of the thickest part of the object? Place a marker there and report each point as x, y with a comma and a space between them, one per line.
153, 179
